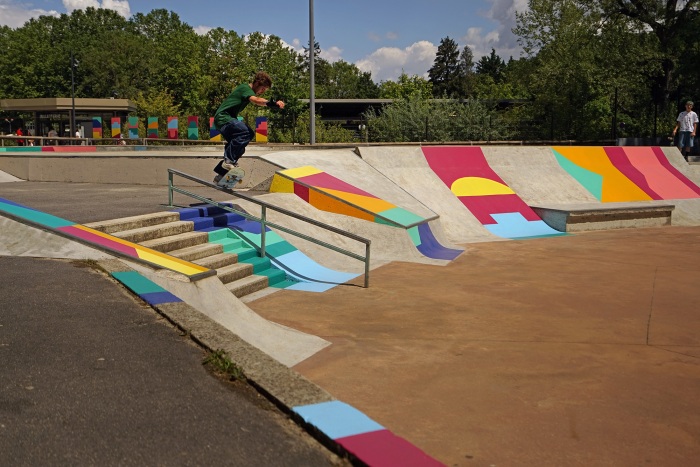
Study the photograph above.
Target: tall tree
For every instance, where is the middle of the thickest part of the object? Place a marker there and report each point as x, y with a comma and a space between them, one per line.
491, 65
444, 74
671, 22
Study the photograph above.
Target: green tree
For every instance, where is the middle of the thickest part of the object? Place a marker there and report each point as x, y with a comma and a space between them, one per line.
445, 73
491, 65
406, 87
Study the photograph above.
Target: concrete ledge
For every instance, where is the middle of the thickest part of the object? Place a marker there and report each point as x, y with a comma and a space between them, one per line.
604, 216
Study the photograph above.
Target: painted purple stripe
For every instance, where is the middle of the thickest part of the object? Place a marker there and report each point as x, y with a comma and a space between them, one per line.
383, 448
105, 242
156, 298
431, 248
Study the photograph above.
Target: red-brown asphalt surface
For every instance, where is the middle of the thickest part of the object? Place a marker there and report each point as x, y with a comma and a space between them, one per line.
577, 350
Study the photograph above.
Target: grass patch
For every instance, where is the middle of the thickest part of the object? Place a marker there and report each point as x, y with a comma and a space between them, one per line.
219, 363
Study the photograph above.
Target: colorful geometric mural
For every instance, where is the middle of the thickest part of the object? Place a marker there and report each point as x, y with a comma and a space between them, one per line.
172, 128
466, 172
116, 127
366, 439
101, 239
625, 173
328, 193
152, 127
214, 133
261, 129
192, 127
300, 272
133, 125
96, 127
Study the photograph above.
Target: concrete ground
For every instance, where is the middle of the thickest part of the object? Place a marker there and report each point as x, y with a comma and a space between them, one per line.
577, 350
563, 351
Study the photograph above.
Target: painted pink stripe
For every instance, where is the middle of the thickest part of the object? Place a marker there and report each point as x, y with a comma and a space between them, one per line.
69, 149
657, 179
324, 180
102, 241
454, 162
663, 160
622, 162
382, 448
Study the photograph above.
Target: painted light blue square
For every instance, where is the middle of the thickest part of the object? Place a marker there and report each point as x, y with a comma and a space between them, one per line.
514, 225
303, 268
337, 419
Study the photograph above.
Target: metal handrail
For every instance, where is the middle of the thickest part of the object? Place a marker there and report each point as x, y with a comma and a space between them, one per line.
264, 222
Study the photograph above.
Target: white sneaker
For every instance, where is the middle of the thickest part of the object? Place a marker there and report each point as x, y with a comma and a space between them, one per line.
227, 166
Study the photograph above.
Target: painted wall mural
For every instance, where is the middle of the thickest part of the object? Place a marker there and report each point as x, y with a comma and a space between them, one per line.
261, 129
328, 193
192, 127
97, 127
173, 127
625, 173
133, 127
116, 127
466, 172
152, 127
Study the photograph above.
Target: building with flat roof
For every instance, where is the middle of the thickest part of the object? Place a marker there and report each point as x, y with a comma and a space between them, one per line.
55, 112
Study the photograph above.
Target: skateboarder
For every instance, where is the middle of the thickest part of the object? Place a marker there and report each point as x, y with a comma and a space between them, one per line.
236, 133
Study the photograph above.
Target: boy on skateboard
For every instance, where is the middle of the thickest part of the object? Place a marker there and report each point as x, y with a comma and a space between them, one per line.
236, 133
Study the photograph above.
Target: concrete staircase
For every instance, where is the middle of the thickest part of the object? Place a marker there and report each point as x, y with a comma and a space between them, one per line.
203, 238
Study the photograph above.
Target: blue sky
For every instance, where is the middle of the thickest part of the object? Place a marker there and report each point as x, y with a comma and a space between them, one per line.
384, 37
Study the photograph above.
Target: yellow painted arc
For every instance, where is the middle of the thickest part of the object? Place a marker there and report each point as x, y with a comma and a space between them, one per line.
479, 186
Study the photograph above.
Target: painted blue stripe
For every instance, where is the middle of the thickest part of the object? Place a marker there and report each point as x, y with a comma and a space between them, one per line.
514, 225
156, 298
337, 419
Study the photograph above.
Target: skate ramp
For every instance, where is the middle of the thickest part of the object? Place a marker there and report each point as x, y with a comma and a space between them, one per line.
344, 191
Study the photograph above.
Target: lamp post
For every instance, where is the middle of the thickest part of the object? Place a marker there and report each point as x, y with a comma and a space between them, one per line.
312, 98
72, 95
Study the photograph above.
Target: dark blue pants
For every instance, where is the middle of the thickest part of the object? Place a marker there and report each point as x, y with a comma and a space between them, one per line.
237, 135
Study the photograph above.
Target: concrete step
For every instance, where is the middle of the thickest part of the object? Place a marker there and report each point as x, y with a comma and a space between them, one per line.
134, 222
176, 242
604, 216
247, 285
234, 272
217, 261
152, 232
193, 253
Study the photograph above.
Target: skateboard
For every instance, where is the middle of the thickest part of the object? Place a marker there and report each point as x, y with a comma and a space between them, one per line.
232, 178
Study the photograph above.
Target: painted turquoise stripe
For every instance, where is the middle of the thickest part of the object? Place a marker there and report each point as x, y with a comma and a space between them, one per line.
337, 419
137, 283
35, 216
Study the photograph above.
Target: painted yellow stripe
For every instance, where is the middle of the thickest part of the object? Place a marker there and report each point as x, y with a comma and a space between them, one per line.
281, 185
616, 186
301, 171
152, 256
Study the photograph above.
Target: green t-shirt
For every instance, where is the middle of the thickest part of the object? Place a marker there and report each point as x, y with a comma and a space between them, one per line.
233, 105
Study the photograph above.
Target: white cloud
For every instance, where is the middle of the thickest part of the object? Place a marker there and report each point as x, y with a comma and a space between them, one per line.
501, 38
332, 54
120, 6
14, 14
388, 63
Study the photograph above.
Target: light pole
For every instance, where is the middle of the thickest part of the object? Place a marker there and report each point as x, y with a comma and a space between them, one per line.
72, 95
312, 99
